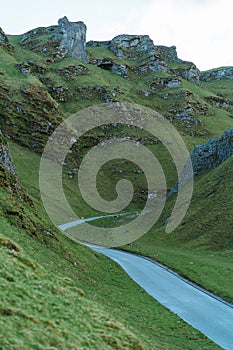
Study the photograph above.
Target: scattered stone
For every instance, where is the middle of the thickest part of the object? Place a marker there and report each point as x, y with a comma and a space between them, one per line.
145, 93
31, 67
218, 102
103, 93
59, 93
165, 83
187, 104
70, 72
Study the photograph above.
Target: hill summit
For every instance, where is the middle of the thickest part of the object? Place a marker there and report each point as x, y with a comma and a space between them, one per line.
51, 71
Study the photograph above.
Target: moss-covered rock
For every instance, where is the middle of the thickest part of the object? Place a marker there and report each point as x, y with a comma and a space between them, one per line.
5, 156
4, 42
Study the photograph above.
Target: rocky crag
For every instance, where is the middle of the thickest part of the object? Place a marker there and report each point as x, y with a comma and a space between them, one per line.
5, 156
217, 74
4, 42
48, 72
152, 58
207, 156
212, 153
66, 39
69, 39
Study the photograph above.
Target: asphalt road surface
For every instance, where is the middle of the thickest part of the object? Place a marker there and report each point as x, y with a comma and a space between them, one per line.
202, 310
205, 312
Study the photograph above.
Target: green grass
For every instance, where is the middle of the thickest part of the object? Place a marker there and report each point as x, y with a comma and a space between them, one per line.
221, 88
82, 93
201, 248
59, 294
42, 310
201, 237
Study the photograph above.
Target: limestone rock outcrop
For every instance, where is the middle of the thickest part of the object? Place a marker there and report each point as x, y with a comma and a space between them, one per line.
131, 46
4, 42
207, 156
5, 156
217, 74
189, 72
65, 39
72, 37
169, 54
212, 153
138, 47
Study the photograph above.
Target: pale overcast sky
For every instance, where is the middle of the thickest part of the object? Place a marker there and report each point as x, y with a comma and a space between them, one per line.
201, 30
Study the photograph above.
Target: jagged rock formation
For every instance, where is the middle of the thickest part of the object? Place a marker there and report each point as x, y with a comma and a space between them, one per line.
72, 37
65, 39
4, 42
212, 153
5, 156
169, 54
207, 156
189, 72
217, 74
138, 47
132, 46
151, 58
52, 85
69, 39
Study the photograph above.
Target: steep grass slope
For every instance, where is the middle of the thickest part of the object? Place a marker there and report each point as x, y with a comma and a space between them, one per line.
201, 248
62, 290
58, 294
47, 90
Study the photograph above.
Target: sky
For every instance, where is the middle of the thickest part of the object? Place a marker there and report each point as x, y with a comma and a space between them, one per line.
201, 30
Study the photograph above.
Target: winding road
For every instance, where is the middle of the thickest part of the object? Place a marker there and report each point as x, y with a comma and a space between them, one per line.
204, 311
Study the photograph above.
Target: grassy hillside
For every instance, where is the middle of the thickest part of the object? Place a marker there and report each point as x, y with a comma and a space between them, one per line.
201, 248
56, 292
65, 89
39, 90
41, 310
